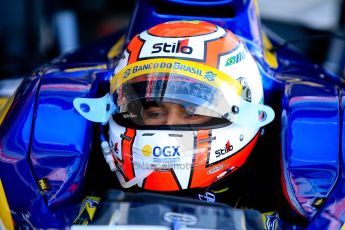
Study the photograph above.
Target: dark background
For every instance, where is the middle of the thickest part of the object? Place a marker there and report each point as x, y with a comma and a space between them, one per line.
33, 32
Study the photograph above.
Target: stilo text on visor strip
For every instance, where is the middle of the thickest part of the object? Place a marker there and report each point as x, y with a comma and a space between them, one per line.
203, 73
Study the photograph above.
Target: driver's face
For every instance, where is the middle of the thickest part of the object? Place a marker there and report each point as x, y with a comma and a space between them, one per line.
170, 114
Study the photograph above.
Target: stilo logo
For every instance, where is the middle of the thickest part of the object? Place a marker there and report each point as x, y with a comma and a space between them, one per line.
180, 47
225, 150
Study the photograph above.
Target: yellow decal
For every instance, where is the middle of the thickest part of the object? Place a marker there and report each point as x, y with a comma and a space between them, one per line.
87, 210
319, 202
197, 71
5, 214
146, 150
116, 49
91, 205
270, 220
43, 184
270, 57
5, 106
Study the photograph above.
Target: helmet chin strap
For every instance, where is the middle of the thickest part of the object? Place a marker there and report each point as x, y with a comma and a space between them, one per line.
138, 180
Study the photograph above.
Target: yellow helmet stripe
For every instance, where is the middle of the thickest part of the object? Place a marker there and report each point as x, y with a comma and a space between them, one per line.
198, 71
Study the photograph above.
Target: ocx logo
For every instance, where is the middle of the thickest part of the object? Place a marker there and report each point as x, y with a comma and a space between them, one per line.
166, 151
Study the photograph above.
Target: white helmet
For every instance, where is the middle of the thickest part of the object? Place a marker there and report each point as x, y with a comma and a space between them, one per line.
204, 70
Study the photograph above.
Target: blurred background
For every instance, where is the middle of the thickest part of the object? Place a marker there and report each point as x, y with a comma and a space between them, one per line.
33, 32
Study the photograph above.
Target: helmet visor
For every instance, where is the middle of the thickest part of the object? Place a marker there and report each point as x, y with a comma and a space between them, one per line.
200, 91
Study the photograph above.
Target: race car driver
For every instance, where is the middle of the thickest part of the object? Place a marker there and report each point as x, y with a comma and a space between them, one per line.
185, 108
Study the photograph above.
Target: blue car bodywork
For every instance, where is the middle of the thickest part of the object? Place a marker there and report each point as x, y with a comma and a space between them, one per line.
46, 145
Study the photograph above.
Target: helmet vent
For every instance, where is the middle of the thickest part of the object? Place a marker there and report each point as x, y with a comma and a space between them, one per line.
147, 134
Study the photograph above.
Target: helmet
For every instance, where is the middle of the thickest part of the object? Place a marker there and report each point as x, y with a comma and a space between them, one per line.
208, 73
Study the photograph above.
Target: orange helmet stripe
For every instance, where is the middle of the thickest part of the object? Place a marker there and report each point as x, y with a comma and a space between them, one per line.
219, 47
199, 175
134, 49
127, 144
161, 181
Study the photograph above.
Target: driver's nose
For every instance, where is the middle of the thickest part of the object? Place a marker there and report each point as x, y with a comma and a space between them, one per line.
173, 117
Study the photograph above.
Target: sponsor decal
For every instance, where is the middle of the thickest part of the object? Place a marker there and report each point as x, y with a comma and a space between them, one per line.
115, 146
146, 150
175, 135
183, 219
221, 152
162, 153
129, 115
235, 59
188, 47
271, 220
180, 47
186, 68
198, 71
210, 76
209, 140
87, 210
167, 151
215, 169
126, 73
43, 184
319, 202
164, 65
91, 202
208, 197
